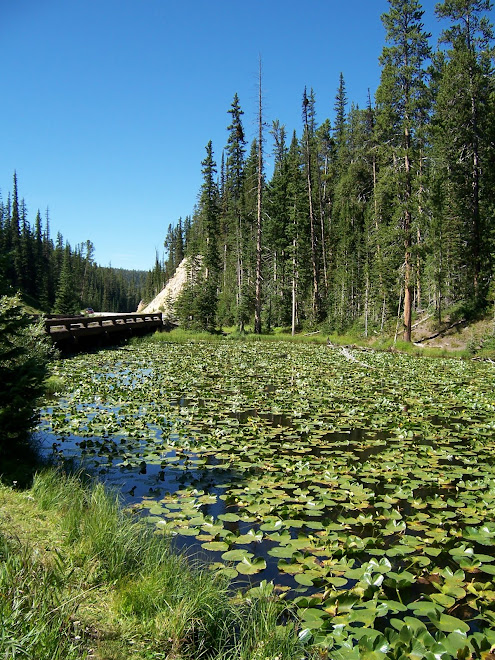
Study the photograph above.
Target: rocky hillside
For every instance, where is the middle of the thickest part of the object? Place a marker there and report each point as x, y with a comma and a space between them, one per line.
164, 301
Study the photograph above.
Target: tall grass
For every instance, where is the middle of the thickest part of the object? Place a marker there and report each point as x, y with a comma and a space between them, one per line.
179, 335
53, 385
34, 611
108, 583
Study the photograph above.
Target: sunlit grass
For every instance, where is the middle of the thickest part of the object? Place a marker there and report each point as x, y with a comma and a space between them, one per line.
384, 340
377, 342
179, 335
53, 385
34, 610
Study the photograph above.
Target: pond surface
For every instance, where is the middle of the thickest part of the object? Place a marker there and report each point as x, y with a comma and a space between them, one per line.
365, 488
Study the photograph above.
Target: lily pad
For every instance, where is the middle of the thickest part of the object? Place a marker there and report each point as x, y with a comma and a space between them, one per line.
449, 624
251, 566
215, 546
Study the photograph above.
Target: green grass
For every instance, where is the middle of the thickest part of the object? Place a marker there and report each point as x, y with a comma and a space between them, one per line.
81, 578
379, 342
53, 385
34, 612
388, 344
179, 335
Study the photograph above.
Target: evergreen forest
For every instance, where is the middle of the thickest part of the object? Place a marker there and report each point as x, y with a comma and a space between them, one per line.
378, 214
386, 211
55, 277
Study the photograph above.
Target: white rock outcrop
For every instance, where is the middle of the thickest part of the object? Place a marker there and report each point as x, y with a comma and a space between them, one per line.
186, 272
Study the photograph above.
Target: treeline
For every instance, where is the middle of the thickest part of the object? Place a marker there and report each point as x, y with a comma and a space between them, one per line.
55, 277
385, 212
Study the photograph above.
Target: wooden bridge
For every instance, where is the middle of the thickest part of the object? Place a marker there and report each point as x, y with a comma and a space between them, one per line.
76, 333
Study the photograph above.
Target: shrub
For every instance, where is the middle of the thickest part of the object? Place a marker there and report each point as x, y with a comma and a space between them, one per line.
24, 354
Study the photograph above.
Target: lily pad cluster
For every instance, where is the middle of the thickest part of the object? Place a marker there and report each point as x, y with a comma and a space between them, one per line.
364, 488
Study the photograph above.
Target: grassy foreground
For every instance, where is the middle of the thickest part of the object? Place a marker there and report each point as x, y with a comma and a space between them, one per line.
80, 578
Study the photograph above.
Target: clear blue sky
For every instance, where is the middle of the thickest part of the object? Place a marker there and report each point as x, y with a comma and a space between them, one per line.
107, 105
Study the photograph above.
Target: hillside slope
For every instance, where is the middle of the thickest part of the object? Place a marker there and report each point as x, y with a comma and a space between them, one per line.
164, 302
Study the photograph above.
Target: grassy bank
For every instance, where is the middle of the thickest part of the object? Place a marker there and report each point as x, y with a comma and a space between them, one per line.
80, 578
379, 343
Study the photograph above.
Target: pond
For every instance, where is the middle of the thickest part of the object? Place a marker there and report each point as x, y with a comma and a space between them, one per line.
361, 483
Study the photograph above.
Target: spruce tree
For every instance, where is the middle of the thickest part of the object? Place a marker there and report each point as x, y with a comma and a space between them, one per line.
66, 301
276, 232
309, 125
464, 149
340, 112
297, 230
208, 298
235, 222
259, 210
351, 197
15, 240
401, 98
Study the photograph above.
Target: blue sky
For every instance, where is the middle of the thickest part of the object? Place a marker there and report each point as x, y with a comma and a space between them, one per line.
107, 105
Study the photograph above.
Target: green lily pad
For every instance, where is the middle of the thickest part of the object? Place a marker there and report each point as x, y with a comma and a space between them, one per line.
229, 572
272, 526
488, 568
187, 531
304, 579
284, 552
215, 546
251, 567
289, 567
312, 618
229, 517
443, 600
250, 537
449, 624
425, 608
237, 555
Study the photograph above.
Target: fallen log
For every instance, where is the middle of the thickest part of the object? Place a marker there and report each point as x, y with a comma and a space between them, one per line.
441, 332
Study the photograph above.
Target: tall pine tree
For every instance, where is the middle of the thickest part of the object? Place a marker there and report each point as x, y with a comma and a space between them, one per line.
463, 139
401, 98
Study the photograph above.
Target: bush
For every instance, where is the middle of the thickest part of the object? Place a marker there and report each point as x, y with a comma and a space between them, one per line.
24, 354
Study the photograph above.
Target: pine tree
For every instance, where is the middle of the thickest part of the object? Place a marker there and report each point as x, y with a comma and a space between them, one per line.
66, 301
235, 229
26, 256
340, 113
259, 210
276, 232
15, 240
38, 255
400, 102
464, 150
4, 285
325, 150
297, 230
207, 295
352, 196
308, 112
88, 261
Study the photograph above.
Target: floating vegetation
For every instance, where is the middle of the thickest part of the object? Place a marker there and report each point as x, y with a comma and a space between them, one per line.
365, 488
